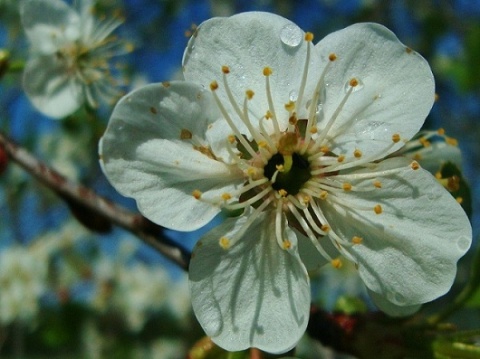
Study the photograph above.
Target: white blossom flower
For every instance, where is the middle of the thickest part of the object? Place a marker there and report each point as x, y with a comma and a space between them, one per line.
70, 56
23, 279
289, 138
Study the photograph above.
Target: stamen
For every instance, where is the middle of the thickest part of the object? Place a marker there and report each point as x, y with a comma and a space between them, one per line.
349, 164
308, 39
279, 226
308, 231
378, 209
357, 240
242, 115
336, 263
197, 194
325, 131
313, 108
250, 201
267, 71
244, 142
250, 219
224, 243
313, 225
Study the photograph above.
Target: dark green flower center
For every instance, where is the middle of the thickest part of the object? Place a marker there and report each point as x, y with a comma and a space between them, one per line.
293, 172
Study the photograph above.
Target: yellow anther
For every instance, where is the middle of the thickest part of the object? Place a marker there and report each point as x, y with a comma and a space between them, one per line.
424, 142
251, 171
347, 186
324, 149
267, 71
262, 144
249, 94
415, 166
436, 97
396, 138
280, 168
353, 82
323, 195
166, 84
325, 227
197, 194
441, 131
408, 50
232, 139
282, 193
287, 244
290, 106
459, 200
213, 85
224, 242
225, 69
378, 209
185, 134
438, 175
453, 183
313, 129
129, 47
357, 153
308, 37
451, 141
226, 196
341, 158
306, 199
268, 115
332, 57
336, 263
293, 119
417, 156
377, 184
357, 240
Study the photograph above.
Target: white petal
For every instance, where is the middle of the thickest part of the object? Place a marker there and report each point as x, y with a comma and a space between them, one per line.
409, 251
433, 157
394, 95
391, 309
49, 24
247, 43
144, 156
253, 294
50, 87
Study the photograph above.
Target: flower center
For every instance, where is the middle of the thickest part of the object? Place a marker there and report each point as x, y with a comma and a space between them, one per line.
293, 172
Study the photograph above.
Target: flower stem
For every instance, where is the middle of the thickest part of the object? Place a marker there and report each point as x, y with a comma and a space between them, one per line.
83, 199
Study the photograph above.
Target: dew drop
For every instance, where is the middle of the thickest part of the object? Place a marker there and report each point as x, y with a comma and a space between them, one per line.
463, 243
374, 129
291, 35
396, 298
433, 194
357, 88
293, 95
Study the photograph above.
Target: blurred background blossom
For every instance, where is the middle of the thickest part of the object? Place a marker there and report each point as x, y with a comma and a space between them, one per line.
66, 291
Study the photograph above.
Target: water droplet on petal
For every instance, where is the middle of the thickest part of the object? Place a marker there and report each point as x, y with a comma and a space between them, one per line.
374, 129
293, 95
291, 35
396, 298
463, 243
356, 88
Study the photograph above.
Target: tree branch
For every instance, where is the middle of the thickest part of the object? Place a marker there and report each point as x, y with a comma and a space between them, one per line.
83, 198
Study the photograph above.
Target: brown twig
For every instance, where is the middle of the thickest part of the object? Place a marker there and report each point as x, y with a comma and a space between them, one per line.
79, 196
